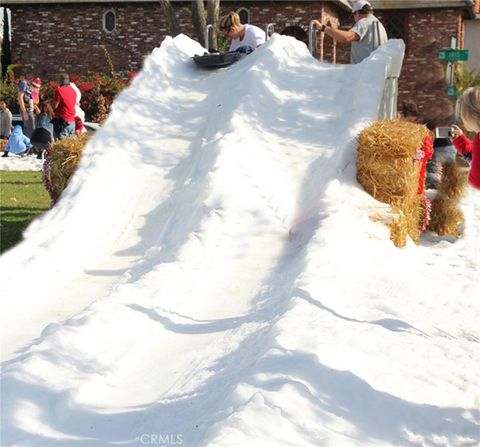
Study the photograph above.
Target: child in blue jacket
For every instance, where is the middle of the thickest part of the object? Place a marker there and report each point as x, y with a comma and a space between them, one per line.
18, 143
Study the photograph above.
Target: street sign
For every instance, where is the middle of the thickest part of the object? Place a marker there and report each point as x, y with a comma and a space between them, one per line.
452, 92
452, 55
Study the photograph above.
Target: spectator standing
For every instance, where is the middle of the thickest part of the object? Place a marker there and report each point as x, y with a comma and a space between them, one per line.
365, 36
64, 101
79, 113
5, 120
22, 82
25, 103
35, 89
242, 35
470, 115
78, 110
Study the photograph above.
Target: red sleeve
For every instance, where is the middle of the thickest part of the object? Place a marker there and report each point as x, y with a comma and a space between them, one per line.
428, 147
463, 144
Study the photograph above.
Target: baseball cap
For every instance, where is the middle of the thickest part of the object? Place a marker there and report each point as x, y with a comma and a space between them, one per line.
37, 82
361, 4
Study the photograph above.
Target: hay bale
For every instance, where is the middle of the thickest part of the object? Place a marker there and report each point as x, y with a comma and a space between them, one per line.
388, 170
446, 216
64, 156
386, 167
399, 232
453, 181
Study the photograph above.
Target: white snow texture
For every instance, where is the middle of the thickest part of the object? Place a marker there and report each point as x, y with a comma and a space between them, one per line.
213, 276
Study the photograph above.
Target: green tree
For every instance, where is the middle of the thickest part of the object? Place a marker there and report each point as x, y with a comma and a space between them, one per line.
200, 17
6, 57
465, 78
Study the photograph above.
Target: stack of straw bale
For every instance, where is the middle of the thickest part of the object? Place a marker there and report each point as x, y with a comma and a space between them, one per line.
446, 216
64, 158
387, 169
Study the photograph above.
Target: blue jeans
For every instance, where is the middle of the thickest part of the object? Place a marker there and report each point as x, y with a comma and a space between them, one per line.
28, 124
68, 131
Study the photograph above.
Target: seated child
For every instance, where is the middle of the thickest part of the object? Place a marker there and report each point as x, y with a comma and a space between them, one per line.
42, 136
18, 143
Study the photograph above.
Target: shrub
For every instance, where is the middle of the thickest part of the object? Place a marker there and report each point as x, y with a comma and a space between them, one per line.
465, 78
98, 90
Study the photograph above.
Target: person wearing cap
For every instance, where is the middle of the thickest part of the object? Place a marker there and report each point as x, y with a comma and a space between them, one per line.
35, 88
365, 36
242, 36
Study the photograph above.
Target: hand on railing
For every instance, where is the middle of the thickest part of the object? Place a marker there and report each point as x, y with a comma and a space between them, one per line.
269, 30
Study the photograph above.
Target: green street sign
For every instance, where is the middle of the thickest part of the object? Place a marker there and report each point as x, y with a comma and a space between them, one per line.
452, 92
452, 55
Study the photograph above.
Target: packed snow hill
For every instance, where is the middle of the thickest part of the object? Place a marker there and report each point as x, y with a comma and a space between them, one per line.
214, 275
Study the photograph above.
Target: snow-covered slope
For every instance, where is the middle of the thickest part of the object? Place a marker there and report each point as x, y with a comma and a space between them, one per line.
212, 276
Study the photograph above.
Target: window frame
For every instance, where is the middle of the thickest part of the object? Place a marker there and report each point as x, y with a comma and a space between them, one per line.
398, 20
244, 10
104, 21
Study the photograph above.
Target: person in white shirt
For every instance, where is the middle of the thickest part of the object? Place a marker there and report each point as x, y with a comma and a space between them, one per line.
242, 35
365, 36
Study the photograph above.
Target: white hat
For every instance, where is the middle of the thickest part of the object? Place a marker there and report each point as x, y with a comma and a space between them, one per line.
357, 6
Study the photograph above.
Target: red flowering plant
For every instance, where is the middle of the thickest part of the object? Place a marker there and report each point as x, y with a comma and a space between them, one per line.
96, 85
96, 88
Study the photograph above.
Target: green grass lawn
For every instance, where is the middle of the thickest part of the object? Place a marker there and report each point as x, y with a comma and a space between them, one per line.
22, 198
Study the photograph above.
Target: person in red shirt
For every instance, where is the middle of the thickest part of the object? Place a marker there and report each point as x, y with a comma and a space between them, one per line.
63, 105
470, 114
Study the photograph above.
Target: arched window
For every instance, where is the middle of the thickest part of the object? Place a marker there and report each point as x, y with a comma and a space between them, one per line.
244, 16
109, 21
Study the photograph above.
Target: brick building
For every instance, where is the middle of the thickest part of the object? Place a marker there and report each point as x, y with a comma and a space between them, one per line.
472, 39
76, 35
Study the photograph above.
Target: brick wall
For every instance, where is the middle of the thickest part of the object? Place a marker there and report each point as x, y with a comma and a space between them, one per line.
49, 38
423, 77
72, 37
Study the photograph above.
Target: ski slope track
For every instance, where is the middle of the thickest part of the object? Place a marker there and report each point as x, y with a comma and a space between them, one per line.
214, 275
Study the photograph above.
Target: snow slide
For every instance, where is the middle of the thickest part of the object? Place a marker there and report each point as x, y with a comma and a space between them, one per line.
215, 276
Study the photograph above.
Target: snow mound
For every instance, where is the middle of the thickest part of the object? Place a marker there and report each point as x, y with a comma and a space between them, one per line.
214, 275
